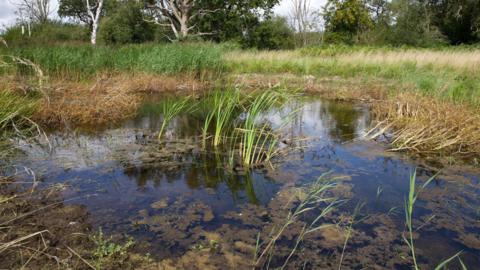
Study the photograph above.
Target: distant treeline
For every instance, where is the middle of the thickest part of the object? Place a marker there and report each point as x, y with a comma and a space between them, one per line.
422, 23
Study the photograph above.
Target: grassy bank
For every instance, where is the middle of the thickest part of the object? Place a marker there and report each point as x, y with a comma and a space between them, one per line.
85, 61
451, 75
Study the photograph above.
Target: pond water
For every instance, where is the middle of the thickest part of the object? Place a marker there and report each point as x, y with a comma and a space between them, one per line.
181, 203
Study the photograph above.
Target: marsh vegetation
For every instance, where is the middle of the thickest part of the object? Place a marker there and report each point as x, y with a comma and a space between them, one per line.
193, 148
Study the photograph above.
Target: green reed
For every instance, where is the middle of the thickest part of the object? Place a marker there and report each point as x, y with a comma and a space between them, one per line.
318, 197
221, 110
409, 207
171, 108
255, 136
84, 61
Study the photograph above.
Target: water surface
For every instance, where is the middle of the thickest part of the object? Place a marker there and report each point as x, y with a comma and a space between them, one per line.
174, 199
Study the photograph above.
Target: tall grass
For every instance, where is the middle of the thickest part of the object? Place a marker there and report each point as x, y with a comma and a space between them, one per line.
232, 124
449, 75
84, 61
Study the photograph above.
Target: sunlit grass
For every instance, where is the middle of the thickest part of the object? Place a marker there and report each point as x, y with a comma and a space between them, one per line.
85, 61
450, 75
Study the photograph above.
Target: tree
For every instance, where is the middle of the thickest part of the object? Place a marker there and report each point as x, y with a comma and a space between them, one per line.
74, 9
220, 20
458, 20
232, 19
271, 34
414, 24
94, 12
34, 10
346, 19
178, 15
302, 18
126, 24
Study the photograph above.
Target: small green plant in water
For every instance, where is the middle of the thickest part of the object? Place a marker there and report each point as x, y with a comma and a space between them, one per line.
172, 108
105, 250
409, 207
317, 197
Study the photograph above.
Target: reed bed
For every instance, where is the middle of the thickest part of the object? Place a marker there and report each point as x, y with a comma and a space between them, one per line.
424, 125
84, 61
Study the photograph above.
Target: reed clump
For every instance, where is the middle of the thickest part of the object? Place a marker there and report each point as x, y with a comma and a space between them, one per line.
425, 125
233, 124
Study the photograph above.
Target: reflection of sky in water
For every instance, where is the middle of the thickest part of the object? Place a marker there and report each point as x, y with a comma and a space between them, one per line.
112, 166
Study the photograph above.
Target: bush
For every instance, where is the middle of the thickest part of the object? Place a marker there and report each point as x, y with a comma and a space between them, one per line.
45, 34
126, 25
272, 34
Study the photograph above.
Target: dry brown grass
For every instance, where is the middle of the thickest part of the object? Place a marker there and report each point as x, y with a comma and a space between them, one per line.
426, 125
469, 60
107, 100
337, 88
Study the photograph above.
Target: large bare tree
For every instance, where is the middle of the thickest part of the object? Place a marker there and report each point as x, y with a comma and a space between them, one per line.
94, 12
34, 10
179, 15
302, 18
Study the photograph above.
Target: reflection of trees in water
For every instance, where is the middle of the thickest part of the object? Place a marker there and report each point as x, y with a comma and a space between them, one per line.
207, 172
344, 120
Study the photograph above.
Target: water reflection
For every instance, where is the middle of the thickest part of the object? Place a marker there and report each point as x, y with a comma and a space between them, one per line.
130, 170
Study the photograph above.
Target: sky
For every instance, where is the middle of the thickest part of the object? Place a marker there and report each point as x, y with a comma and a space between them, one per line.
7, 9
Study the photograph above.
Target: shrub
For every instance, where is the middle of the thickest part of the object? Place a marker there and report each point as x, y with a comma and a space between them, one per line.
126, 25
271, 34
45, 34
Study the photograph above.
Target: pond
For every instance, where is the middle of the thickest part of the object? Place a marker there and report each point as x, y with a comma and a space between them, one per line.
180, 202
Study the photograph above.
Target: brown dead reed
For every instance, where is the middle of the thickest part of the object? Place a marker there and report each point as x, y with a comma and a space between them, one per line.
426, 125
106, 100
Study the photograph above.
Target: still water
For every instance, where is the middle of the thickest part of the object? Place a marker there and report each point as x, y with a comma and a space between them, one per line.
175, 200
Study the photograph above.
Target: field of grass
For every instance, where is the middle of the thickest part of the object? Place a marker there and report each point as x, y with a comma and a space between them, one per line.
85, 61
451, 75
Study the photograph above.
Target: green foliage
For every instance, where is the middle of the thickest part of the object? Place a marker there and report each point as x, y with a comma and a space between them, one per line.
345, 20
45, 34
228, 19
172, 108
106, 252
84, 61
458, 20
271, 34
413, 25
126, 25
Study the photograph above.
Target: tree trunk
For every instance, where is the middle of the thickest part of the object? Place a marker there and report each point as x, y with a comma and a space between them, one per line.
93, 37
